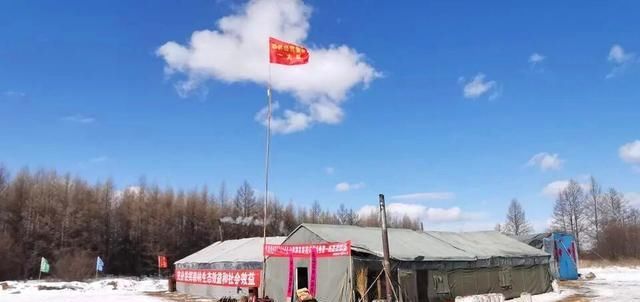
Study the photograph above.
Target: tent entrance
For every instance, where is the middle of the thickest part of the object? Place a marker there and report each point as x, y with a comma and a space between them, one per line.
422, 280
302, 277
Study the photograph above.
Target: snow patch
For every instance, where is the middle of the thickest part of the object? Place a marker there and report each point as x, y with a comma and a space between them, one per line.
102, 290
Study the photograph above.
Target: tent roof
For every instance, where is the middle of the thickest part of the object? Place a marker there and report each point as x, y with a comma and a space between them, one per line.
487, 244
240, 250
530, 238
409, 245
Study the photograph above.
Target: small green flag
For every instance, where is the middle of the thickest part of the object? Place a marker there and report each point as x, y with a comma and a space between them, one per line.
44, 265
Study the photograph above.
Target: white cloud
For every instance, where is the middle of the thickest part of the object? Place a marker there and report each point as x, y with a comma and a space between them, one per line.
135, 190
478, 86
497, 92
536, 62
443, 215
292, 121
546, 161
237, 51
462, 226
541, 225
99, 159
329, 170
79, 118
536, 58
14, 94
131, 190
620, 58
423, 196
634, 198
418, 211
345, 186
554, 188
630, 152
453, 218
618, 55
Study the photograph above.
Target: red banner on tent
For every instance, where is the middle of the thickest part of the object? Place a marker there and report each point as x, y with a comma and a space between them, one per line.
162, 261
313, 279
330, 249
232, 278
289, 291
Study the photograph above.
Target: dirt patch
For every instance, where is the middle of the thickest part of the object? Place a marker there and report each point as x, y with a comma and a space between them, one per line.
576, 298
58, 287
583, 292
4, 286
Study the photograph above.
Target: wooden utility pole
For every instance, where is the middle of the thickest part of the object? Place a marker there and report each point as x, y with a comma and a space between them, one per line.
386, 264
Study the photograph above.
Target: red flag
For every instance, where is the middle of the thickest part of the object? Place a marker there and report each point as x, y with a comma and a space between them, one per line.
286, 53
162, 261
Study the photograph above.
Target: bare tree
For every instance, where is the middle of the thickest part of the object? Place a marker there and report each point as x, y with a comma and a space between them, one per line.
593, 202
316, 212
245, 201
569, 211
222, 194
346, 216
4, 179
4, 184
516, 223
614, 207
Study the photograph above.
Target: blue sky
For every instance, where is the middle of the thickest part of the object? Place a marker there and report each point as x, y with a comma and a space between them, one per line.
452, 100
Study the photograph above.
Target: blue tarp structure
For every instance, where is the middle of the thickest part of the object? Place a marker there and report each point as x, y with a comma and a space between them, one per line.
563, 251
566, 256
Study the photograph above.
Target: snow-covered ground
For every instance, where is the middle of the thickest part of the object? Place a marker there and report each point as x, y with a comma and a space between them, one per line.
611, 283
614, 283
103, 290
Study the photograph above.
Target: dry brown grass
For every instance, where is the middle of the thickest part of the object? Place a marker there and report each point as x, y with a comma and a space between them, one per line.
361, 283
575, 298
630, 262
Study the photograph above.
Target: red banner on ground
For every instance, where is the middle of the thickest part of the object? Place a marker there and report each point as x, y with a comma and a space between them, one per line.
232, 278
330, 249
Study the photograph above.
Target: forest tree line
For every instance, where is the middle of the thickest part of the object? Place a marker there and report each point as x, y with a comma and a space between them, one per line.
603, 222
70, 222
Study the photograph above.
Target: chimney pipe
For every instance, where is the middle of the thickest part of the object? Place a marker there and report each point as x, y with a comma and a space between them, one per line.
385, 247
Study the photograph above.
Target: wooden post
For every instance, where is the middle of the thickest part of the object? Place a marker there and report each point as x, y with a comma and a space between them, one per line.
386, 264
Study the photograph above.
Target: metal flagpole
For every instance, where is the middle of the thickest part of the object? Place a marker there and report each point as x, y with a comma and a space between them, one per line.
266, 185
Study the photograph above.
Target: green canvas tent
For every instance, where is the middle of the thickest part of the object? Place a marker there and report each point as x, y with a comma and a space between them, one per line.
426, 266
